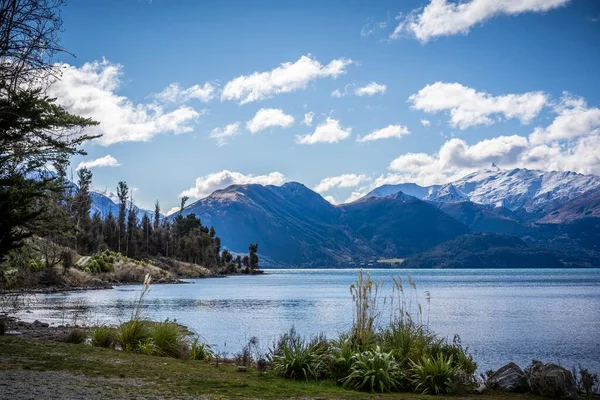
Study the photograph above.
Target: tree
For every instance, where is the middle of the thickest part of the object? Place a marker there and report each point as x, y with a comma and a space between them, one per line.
34, 130
122, 192
253, 257
83, 203
156, 215
130, 246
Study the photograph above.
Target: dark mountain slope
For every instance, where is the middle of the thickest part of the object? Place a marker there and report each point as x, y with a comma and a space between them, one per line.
484, 250
399, 225
482, 218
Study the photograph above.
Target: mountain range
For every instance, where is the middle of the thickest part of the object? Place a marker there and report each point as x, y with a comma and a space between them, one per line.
490, 218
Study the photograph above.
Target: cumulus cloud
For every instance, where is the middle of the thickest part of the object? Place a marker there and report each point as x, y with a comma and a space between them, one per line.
468, 107
340, 181
308, 118
286, 78
329, 131
91, 91
338, 93
269, 117
222, 135
444, 17
207, 184
331, 199
426, 123
371, 89
175, 94
106, 161
390, 131
574, 119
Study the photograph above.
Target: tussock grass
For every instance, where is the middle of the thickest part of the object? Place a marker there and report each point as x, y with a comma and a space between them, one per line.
103, 336
76, 336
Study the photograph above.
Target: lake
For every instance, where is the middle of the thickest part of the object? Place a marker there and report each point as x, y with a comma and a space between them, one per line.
500, 315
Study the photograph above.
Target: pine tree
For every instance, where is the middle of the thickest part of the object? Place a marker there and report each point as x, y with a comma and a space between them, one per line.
122, 192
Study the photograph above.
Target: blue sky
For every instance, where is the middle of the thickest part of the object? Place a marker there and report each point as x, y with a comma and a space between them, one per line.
457, 86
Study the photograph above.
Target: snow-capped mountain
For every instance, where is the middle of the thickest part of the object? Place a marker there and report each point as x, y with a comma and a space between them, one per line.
516, 189
105, 202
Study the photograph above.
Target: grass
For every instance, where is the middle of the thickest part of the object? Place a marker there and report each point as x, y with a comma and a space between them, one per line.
168, 377
76, 336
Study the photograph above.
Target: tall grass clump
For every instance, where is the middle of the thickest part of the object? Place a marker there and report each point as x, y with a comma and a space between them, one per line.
434, 375
373, 371
168, 338
76, 336
200, 351
295, 358
131, 334
365, 296
103, 336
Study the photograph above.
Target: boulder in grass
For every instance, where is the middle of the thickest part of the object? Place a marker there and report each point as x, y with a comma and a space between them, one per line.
509, 378
551, 380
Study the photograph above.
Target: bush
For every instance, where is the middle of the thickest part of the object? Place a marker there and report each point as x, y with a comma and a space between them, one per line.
461, 359
434, 375
373, 371
131, 334
406, 341
76, 336
342, 358
149, 348
587, 381
200, 351
296, 359
168, 339
103, 336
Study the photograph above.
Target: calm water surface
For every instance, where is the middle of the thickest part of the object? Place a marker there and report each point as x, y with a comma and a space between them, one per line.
501, 315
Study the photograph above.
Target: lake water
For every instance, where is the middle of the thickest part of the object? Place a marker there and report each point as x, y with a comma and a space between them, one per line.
501, 315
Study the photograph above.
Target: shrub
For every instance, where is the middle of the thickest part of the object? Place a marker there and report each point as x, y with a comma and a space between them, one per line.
587, 381
298, 360
461, 359
200, 351
373, 371
148, 347
103, 336
342, 358
433, 375
76, 336
168, 339
406, 341
131, 334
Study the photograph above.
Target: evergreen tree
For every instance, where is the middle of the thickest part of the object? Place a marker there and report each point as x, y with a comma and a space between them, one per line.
82, 205
122, 192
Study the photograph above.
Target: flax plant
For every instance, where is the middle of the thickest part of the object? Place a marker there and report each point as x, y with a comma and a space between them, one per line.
365, 295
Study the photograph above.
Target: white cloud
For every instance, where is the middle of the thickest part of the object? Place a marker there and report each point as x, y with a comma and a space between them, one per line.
207, 184
308, 118
106, 161
331, 199
468, 107
338, 93
173, 210
286, 78
390, 131
91, 91
329, 131
340, 181
268, 117
574, 119
223, 134
426, 123
371, 27
175, 94
355, 195
443, 17
371, 89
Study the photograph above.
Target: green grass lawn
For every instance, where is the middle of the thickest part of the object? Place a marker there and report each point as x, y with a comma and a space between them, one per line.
166, 377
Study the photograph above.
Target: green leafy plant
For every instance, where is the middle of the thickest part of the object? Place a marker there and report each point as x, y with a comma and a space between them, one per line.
342, 358
298, 360
168, 338
76, 336
131, 334
103, 336
149, 348
373, 371
433, 375
200, 351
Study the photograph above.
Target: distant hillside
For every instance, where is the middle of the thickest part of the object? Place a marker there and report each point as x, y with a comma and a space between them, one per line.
484, 250
584, 206
295, 226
